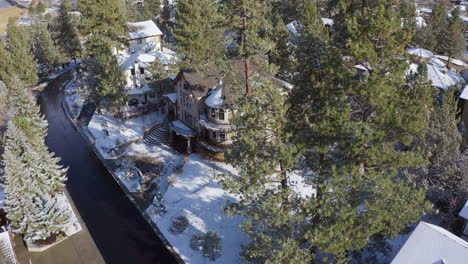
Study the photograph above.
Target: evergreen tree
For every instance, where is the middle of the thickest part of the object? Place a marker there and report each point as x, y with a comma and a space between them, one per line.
199, 34
439, 24
358, 133
32, 177
65, 32
44, 49
40, 7
280, 56
443, 175
22, 63
424, 38
103, 22
6, 70
456, 36
249, 20
151, 8
264, 157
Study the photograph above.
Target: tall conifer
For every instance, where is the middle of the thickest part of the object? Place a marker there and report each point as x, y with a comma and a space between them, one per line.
199, 34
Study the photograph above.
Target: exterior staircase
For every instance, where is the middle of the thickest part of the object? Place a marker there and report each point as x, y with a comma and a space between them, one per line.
158, 136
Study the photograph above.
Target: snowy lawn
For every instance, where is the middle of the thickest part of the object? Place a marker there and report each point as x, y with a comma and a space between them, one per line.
119, 132
197, 195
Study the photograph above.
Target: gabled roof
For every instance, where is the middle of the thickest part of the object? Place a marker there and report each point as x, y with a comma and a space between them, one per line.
430, 244
420, 52
143, 29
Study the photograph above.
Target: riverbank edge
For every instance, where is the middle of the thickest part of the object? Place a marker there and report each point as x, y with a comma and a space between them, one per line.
142, 211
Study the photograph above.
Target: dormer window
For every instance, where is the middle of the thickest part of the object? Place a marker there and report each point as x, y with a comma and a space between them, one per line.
142, 70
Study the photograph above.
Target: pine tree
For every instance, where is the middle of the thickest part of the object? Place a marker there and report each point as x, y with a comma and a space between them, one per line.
6, 70
442, 143
151, 8
424, 38
22, 63
44, 48
280, 56
33, 177
439, 24
199, 34
103, 22
249, 20
40, 7
65, 32
358, 133
264, 157
456, 36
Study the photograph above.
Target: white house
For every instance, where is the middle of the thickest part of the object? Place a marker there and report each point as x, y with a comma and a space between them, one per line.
144, 36
145, 48
431, 244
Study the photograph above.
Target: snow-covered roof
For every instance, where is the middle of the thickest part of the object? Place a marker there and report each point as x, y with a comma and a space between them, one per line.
432, 244
464, 212
442, 78
138, 91
182, 129
143, 29
421, 22
426, 10
464, 95
453, 61
327, 21
146, 58
172, 97
420, 52
215, 99
438, 63
293, 27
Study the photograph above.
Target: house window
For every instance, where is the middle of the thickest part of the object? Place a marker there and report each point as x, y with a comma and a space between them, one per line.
221, 114
213, 113
139, 41
132, 71
142, 70
222, 137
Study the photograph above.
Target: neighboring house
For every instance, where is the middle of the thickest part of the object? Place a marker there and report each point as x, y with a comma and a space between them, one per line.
455, 64
144, 36
201, 109
145, 48
437, 72
430, 244
464, 214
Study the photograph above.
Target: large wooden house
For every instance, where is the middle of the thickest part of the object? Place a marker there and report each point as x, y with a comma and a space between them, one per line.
202, 107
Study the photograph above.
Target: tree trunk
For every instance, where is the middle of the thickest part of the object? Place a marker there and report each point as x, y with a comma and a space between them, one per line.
448, 62
246, 55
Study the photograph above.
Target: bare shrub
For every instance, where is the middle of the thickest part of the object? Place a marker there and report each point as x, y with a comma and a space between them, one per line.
179, 225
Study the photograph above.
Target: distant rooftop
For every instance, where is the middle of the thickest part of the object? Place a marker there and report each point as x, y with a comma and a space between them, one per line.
430, 244
143, 29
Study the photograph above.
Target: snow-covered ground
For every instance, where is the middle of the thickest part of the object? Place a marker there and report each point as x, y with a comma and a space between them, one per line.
73, 99
197, 195
119, 132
